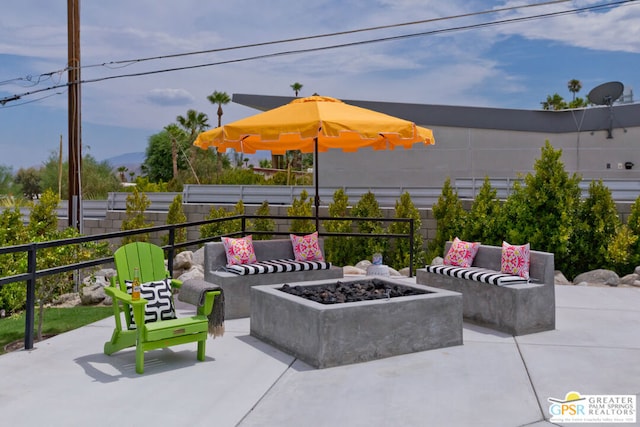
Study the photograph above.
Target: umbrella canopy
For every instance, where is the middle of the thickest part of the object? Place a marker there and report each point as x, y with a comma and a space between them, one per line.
315, 124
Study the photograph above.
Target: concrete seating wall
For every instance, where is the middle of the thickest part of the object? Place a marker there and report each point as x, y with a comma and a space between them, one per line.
237, 288
518, 309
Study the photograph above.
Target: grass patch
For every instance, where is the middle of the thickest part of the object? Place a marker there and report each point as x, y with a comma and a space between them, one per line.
56, 321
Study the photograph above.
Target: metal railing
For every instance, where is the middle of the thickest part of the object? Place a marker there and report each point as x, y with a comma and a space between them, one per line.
32, 272
622, 190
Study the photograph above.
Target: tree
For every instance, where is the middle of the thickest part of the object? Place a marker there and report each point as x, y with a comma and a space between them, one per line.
545, 209
137, 204
220, 99
176, 216
301, 207
43, 226
574, 86
121, 173
264, 224
365, 247
554, 102
175, 134
399, 253
7, 183
481, 224
450, 217
157, 165
297, 87
339, 249
29, 182
595, 229
98, 178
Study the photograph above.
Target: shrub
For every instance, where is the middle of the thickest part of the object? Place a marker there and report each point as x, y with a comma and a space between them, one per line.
176, 216
222, 228
597, 225
365, 247
264, 224
339, 249
214, 229
399, 253
137, 204
301, 207
620, 251
543, 211
450, 217
481, 223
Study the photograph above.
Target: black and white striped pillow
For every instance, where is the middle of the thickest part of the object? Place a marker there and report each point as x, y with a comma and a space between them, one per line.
477, 274
160, 301
277, 266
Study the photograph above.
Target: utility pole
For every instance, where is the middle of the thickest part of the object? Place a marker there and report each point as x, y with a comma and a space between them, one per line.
75, 131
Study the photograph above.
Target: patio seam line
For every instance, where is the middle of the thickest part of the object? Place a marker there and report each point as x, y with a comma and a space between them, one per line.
608, 347
623, 310
266, 392
533, 387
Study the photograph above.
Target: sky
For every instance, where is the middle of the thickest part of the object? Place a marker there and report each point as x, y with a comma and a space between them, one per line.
508, 65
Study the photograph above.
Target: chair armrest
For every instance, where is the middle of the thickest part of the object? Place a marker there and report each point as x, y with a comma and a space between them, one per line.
175, 283
123, 296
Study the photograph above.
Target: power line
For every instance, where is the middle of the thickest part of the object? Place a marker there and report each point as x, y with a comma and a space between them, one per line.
334, 34
334, 46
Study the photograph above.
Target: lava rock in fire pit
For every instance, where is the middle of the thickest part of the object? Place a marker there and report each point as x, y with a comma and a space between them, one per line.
341, 292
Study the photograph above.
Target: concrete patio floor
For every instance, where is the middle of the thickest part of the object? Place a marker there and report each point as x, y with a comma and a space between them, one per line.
493, 379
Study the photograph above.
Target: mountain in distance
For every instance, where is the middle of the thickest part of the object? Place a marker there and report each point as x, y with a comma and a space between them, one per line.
131, 161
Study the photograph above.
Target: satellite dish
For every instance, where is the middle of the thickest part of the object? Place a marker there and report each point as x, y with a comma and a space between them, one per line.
606, 94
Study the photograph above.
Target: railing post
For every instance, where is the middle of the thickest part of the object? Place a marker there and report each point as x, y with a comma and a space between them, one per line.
411, 248
170, 253
243, 225
31, 298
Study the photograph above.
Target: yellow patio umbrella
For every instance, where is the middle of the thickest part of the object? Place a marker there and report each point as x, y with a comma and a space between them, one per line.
315, 124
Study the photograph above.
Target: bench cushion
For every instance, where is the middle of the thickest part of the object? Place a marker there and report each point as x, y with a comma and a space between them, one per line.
477, 274
277, 266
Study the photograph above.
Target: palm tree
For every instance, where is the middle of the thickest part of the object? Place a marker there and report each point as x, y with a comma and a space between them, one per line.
174, 133
220, 98
297, 87
193, 123
121, 171
574, 86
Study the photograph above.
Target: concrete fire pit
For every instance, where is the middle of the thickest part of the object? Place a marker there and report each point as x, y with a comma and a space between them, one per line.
338, 334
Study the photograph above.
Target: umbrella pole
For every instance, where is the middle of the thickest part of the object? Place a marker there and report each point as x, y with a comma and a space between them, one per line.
315, 173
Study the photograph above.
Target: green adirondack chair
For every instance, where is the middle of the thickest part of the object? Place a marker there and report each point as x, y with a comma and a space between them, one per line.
149, 259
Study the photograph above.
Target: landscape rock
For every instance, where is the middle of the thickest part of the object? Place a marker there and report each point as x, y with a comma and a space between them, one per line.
195, 272
198, 257
560, 279
92, 294
629, 279
363, 264
404, 272
598, 277
350, 269
437, 261
71, 299
183, 261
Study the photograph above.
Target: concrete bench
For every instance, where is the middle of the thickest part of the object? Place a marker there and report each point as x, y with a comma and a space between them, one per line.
517, 309
237, 288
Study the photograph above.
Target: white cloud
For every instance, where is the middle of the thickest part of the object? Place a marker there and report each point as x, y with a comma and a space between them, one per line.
170, 97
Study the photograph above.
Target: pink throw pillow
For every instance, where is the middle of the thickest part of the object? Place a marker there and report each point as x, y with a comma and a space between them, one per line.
306, 248
461, 253
515, 260
239, 251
